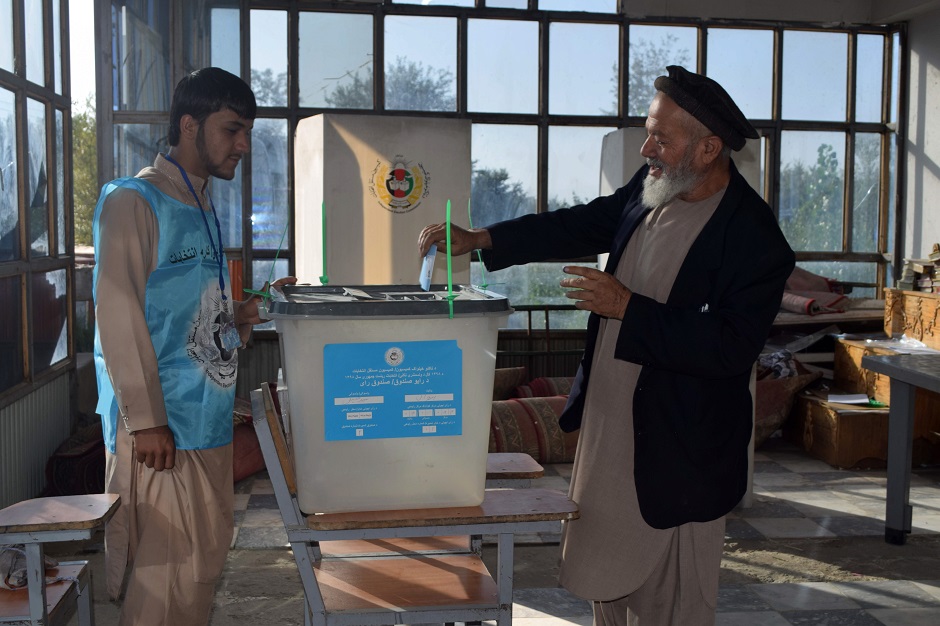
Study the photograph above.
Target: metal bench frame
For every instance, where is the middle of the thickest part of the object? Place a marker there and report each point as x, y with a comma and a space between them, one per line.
43, 520
503, 513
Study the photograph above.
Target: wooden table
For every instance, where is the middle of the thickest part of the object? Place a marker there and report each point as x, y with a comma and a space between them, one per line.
511, 469
417, 568
907, 372
42, 520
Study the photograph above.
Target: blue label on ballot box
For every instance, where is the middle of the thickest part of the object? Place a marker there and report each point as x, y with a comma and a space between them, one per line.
390, 390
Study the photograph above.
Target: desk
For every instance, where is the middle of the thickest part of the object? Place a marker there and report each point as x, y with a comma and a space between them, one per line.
410, 581
40, 520
907, 372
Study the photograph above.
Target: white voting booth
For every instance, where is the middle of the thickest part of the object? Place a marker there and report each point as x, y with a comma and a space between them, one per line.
377, 181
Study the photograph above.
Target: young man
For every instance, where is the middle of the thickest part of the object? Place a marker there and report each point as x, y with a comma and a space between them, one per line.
695, 276
166, 340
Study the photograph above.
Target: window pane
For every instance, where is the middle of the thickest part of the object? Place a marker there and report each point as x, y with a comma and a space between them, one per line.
652, 48
227, 198
508, 4
335, 66
9, 205
11, 332
420, 63
895, 78
814, 63
136, 146
594, 6
582, 80
57, 46
196, 49
748, 78
574, 162
6, 37
869, 71
269, 57
37, 173
812, 178
60, 181
503, 66
142, 75
226, 49
867, 190
35, 63
892, 187
269, 184
535, 283
267, 270
50, 327
505, 172
82, 56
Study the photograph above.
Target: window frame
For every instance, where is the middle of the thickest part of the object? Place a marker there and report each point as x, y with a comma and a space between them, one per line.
28, 264
886, 257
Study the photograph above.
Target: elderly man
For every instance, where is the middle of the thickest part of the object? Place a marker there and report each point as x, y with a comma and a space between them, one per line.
696, 271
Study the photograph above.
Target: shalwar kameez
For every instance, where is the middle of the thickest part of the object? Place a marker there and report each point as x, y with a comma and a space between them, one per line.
160, 287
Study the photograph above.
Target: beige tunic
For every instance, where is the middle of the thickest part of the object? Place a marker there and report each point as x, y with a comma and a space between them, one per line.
610, 551
173, 527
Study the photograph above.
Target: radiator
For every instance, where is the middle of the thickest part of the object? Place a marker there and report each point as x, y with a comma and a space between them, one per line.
258, 363
30, 431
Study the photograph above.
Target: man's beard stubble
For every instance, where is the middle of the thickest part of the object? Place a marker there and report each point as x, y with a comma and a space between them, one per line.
672, 182
202, 149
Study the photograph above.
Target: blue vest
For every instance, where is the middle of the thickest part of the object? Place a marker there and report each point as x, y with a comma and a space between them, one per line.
182, 310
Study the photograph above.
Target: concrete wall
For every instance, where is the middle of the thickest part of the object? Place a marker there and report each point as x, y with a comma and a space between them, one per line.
921, 188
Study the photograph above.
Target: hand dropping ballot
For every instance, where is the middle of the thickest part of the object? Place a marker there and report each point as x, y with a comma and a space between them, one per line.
427, 268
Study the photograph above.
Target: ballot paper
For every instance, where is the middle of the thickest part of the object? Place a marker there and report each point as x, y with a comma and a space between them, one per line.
427, 268
849, 398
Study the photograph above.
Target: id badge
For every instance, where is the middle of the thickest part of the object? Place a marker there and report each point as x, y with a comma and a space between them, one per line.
228, 332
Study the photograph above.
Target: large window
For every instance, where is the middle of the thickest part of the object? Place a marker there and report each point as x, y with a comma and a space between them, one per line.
542, 83
35, 205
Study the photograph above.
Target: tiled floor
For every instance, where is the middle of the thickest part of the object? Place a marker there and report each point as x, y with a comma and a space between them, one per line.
794, 497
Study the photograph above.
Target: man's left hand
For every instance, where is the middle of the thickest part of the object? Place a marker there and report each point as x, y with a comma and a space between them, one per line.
596, 291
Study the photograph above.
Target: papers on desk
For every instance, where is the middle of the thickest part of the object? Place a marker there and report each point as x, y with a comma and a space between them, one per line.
845, 401
848, 398
902, 345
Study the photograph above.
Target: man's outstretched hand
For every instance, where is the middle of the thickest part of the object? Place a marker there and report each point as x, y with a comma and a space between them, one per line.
462, 240
596, 291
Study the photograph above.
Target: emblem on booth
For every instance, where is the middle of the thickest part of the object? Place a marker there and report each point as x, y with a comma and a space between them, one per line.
394, 356
398, 186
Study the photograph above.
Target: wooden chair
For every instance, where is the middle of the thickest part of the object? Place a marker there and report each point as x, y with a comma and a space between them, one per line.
42, 520
418, 567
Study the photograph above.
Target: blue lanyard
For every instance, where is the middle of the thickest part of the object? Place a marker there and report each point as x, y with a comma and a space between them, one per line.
218, 225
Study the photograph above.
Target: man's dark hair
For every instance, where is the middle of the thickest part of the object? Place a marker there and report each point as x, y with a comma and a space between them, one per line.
205, 92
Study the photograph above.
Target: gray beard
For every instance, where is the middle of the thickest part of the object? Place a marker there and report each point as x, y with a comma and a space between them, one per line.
659, 191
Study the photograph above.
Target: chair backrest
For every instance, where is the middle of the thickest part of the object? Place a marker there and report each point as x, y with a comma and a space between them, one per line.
280, 442
277, 457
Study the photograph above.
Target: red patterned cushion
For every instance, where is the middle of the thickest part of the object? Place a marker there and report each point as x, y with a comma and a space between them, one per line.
530, 425
505, 379
545, 386
247, 458
523, 391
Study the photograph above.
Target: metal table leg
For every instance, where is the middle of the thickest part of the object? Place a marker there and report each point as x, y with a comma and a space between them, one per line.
900, 444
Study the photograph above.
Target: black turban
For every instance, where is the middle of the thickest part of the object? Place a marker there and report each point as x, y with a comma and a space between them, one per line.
709, 103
